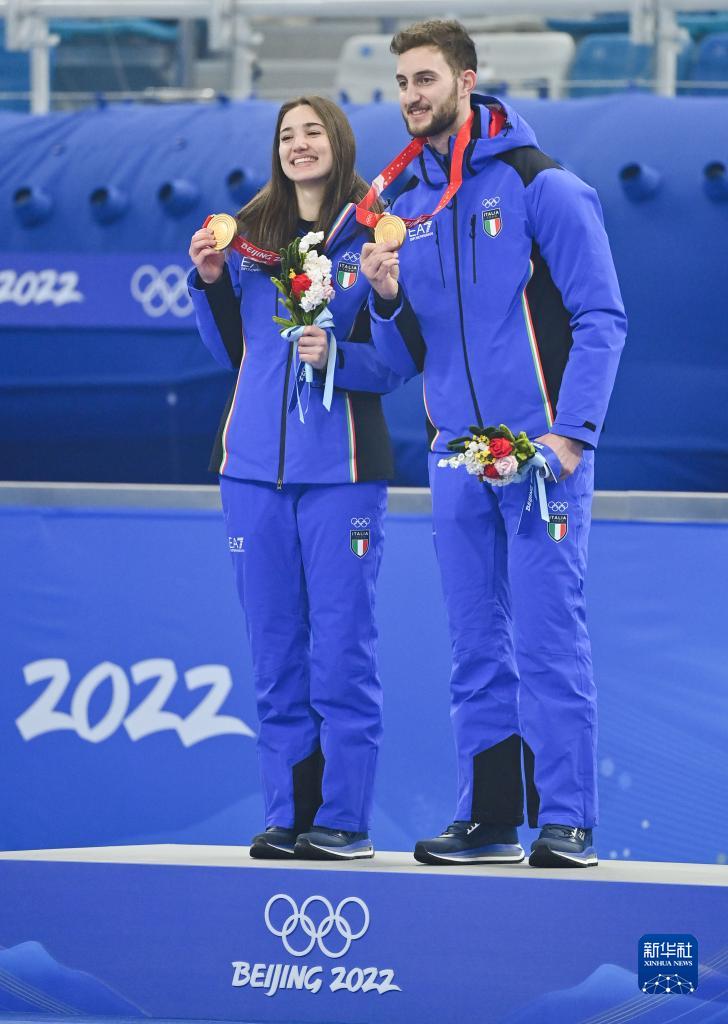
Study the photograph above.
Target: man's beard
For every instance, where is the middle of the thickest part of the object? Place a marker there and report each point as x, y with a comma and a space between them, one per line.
442, 118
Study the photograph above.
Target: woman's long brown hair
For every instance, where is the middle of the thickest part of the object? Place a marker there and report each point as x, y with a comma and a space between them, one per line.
270, 219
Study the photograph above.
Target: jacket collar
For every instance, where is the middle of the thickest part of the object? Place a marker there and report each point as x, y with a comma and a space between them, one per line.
434, 168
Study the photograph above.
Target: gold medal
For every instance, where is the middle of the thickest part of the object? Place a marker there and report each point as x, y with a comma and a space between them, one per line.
224, 228
390, 228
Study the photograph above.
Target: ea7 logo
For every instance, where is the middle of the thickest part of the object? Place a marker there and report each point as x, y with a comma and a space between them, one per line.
250, 265
420, 231
236, 544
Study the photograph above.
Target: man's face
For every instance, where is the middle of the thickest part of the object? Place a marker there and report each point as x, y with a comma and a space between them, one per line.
428, 91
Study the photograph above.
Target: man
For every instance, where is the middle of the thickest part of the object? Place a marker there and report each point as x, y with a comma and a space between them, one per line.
510, 306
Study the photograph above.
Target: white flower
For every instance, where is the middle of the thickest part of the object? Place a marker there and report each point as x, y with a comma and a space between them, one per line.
441, 463
318, 269
507, 466
312, 238
312, 298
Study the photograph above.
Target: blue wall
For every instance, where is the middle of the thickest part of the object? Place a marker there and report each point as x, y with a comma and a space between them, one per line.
113, 392
97, 764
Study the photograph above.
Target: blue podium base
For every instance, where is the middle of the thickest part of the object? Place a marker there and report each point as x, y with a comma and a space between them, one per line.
205, 933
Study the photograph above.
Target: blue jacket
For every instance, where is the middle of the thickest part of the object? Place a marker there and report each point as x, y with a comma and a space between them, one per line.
518, 317
261, 436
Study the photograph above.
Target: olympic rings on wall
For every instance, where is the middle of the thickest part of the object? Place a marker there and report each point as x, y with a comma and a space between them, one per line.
317, 933
161, 291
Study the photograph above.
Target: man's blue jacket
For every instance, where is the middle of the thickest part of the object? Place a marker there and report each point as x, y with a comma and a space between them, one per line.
510, 302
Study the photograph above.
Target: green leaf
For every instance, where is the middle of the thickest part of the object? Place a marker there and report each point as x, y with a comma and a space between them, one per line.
284, 323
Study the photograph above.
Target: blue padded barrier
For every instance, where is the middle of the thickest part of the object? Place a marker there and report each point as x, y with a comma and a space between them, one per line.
110, 616
115, 376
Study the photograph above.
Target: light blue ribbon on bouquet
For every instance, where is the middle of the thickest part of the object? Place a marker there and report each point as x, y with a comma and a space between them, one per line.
542, 472
326, 322
536, 469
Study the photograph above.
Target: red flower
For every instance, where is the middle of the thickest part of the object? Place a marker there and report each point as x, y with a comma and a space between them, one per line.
500, 447
492, 472
300, 284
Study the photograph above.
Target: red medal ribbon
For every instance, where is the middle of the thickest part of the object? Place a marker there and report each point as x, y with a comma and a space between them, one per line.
393, 170
253, 252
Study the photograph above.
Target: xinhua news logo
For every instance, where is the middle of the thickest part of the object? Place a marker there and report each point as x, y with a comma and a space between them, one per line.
668, 964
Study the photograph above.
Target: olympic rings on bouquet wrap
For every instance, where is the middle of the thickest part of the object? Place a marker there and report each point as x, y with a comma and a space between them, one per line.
326, 322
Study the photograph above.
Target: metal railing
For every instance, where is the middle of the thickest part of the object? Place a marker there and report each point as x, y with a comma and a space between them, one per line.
231, 29
629, 506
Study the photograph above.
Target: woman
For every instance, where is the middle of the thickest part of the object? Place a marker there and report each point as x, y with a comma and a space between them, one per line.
304, 501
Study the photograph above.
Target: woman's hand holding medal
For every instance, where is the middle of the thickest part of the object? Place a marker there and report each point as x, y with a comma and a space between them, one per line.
208, 260
380, 266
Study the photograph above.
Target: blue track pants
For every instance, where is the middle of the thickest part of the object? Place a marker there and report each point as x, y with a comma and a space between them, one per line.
520, 647
306, 561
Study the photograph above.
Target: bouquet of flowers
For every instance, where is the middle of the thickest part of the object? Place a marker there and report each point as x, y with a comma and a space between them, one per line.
305, 281
494, 454
305, 284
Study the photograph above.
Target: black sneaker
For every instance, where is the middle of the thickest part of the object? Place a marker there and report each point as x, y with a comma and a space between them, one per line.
563, 846
273, 844
468, 842
333, 844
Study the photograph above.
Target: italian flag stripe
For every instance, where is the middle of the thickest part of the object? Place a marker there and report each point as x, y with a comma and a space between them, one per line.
228, 421
352, 441
338, 224
424, 399
533, 342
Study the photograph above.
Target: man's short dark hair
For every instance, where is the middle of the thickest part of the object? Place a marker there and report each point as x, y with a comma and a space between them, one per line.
449, 37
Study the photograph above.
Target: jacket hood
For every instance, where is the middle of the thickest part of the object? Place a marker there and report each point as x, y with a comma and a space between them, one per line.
432, 167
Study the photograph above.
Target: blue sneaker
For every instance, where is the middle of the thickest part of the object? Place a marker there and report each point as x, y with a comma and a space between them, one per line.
468, 842
333, 844
273, 844
563, 846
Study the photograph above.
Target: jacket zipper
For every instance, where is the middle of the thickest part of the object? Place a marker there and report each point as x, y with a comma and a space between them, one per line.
284, 408
439, 254
472, 239
460, 307
284, 414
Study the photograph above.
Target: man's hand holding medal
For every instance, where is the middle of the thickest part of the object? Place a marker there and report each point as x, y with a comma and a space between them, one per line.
380, 266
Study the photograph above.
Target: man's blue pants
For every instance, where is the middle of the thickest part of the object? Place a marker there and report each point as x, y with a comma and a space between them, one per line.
521, 658
306, 561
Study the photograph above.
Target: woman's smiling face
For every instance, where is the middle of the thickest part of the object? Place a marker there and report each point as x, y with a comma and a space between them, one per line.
303, 146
